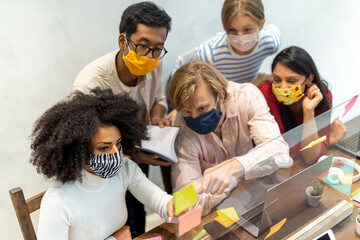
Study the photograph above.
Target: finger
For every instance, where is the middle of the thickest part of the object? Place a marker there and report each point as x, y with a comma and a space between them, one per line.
222, 188
204, 183
160, 123
167, 122
215, 187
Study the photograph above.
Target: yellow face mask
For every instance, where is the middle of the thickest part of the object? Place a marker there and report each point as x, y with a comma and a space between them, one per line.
139, 65
287, 96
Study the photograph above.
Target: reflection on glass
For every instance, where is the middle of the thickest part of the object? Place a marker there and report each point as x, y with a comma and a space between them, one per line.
279, 200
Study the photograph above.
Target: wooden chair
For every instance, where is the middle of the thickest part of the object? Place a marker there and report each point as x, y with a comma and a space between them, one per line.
23, 208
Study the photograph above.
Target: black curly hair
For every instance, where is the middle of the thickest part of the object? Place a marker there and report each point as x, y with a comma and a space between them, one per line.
61, 139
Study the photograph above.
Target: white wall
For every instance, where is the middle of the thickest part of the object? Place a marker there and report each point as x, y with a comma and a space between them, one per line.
44, 44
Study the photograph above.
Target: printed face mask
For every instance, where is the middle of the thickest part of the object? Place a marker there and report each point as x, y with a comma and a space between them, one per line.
287, 96
139, 65
205, 123
245, 42
106, 165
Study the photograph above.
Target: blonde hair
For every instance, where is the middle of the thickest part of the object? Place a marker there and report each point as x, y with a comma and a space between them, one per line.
185, 80
251, 8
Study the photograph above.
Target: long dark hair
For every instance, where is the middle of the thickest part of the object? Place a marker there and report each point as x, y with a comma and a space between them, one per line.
300, 62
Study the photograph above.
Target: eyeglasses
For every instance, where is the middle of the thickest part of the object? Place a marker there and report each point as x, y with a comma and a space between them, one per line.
143, 50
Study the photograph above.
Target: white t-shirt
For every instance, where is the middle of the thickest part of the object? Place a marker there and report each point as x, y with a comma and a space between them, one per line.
102, 73
95, 208
217, 51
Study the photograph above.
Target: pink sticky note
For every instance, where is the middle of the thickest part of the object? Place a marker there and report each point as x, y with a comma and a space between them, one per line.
154, 238
189, 220
349, 105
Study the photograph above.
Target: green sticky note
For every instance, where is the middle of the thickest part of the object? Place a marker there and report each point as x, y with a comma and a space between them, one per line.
343, 188
227, 214
199, 235
185, 198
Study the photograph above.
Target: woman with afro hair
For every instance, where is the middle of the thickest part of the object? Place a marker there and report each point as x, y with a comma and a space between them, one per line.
82, 144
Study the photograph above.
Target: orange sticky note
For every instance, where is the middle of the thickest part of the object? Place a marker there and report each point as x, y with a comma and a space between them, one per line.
226, 223
189, 220
313, 143
185, 198
276, 228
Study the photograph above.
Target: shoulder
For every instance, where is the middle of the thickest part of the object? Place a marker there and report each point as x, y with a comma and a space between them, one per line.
128, 170
216, 43
242, 90
97, 72
266, 88
58, 194
271, 29
270, 37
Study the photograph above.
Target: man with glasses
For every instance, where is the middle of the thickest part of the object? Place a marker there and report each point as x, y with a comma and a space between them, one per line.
135, 69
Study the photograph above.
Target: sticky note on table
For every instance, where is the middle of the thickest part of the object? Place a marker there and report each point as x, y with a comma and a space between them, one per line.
184, 198
276, 228
349, 105
189, 220
315, 142
226, 223
227, 214
200, 235
154, 238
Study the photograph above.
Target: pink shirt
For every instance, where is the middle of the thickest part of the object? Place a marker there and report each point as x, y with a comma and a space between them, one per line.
247, 120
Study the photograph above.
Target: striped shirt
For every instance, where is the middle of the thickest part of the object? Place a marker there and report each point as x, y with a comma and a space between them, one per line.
247, 120
239, 68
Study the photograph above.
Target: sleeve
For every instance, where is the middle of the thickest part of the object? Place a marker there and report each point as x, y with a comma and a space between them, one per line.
89, 78
159, 91
188, 169
271, 34
147, 192
273, 104
271, 151
55, 217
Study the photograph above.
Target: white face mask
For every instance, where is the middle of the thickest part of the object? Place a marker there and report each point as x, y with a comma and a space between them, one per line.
245, 42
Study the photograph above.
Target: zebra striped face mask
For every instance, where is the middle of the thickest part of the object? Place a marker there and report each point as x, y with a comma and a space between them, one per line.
106, 165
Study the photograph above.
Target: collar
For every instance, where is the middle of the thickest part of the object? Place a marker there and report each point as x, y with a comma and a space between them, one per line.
231, 106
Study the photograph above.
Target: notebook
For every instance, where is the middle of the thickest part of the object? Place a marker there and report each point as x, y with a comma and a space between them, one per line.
351, 142
260, 206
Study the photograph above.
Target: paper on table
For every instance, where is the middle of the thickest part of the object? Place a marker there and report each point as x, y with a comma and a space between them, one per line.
337, 184
185, 197
349, 105
276, 228
313, 143
189, 220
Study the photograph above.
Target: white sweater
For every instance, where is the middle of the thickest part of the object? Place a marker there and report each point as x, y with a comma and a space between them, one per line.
95, 208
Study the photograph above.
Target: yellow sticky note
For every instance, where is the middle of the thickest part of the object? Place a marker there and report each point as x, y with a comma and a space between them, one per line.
347, 179
313, 143
276, 228
226, 223
227, 214
184, 198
